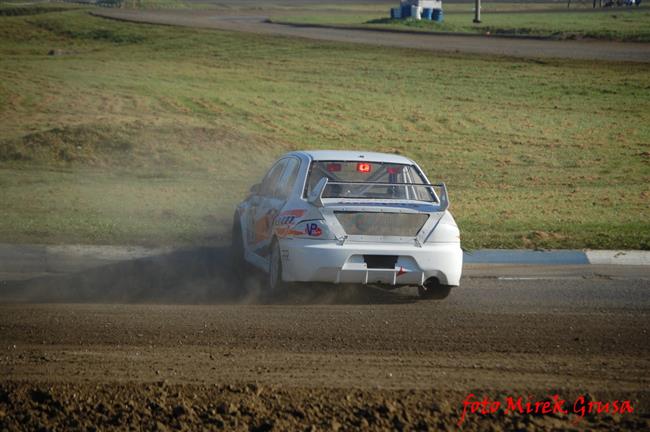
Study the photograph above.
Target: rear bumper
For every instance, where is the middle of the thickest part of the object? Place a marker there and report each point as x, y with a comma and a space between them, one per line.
306, 260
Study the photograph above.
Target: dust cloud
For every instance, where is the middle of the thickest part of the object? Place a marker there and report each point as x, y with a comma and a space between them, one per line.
198, 275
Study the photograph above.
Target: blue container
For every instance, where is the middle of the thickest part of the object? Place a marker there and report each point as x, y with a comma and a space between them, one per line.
426, 13
406, 11
437, 15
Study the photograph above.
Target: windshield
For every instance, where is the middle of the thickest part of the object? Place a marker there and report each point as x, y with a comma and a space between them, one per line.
347, 179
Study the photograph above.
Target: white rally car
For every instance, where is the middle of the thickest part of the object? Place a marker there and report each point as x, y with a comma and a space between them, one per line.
349, 217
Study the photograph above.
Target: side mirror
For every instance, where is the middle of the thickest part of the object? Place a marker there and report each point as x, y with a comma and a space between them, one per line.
255, 189
316, 195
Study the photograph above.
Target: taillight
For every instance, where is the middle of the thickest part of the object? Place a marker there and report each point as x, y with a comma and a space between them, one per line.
364, 167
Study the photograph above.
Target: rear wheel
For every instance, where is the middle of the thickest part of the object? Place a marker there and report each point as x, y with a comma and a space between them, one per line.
275, 283
237, 243
237, 248
433, 290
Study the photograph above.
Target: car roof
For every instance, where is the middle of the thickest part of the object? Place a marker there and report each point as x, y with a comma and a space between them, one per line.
346, 155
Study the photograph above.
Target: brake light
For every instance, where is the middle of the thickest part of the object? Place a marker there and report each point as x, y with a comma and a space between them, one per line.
364, 167
333, 167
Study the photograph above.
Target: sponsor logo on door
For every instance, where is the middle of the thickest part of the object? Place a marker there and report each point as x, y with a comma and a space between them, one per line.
313, 230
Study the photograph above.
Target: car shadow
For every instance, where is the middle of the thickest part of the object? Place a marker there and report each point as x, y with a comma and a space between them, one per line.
200, 275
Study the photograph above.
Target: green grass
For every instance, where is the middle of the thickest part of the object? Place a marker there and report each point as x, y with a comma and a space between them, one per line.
629, 24
19, 8
148, 134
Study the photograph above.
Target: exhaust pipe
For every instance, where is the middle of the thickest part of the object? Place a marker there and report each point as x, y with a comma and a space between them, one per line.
433, 290
431, 283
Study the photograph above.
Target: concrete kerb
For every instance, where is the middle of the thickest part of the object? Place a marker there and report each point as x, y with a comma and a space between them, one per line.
558, 257
622, 257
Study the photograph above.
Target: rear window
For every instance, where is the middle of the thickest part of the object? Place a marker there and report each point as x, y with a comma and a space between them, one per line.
368, 180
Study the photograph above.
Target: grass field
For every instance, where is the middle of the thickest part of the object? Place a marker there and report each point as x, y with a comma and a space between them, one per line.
624, 24
121, 133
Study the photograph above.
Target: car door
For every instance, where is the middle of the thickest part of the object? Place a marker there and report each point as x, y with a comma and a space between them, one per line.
265, 206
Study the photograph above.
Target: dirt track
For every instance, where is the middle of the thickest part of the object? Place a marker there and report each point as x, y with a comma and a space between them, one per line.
170, 342
253, 22
322, 358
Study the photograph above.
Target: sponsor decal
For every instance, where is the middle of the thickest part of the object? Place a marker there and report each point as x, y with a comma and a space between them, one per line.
287, 232
284, 220
288, 217
297, 212
313, 230
262, 226
401, 271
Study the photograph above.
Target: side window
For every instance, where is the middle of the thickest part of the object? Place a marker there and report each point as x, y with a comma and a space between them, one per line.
289, 179
270, 182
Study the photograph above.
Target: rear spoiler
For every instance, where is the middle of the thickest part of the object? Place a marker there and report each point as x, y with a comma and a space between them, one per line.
316, 195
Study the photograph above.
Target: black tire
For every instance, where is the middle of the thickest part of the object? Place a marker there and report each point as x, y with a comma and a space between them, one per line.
237, 248
434, 291
275, 285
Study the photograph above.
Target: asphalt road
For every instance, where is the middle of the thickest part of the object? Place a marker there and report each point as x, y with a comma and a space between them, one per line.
251, 21
98, 345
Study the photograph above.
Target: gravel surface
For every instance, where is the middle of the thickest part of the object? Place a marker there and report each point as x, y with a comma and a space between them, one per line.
319, 359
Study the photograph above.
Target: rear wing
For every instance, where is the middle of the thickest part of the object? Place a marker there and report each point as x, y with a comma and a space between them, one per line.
437, 192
